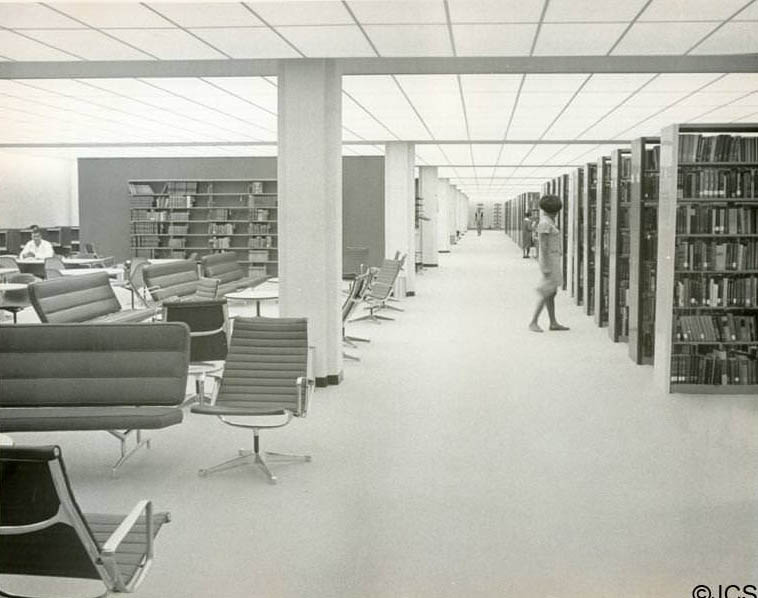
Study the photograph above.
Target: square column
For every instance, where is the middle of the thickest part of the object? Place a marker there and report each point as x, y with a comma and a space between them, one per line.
400, 207
310, 206
443, 237
429, 188
452, 219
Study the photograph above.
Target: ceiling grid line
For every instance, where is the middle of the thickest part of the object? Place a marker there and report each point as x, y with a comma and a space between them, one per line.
628, 27
37, 41
185, 29
273, 29
719, 26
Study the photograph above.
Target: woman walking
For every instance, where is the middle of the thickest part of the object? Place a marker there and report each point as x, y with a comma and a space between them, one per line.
550, 248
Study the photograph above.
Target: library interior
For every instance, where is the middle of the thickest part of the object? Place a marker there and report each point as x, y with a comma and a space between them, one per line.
325, 224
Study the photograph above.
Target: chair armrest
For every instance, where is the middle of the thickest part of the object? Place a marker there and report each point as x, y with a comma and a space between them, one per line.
108, 551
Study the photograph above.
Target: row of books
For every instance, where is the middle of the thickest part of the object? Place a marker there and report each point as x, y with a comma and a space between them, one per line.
724, 328
180, 187
145, 228
175, 243
174, 201
717, 220
711, 255
714, 368
218, 214
716, 292
717, 148
258, 228
142, 202
649, 184
220, 229
219, 243
140, 189
653, 158
715, 183
260, 242
145, 241
177, 229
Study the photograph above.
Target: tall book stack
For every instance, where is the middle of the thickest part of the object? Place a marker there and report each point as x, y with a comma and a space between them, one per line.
707, 279
578, 234
620, 242
590, 236
602, 241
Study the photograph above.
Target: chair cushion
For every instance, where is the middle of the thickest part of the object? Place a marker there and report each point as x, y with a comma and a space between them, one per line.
74, 298
58, 419
172, 279
125, 316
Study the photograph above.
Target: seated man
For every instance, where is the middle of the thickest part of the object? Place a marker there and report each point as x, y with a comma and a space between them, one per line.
37, 248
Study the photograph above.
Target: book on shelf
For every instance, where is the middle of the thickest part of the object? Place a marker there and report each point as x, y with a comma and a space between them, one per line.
717, 148
719, 291
726, 183
140, 189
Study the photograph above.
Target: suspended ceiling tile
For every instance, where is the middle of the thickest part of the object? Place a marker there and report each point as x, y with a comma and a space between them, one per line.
732, 38
593, 101
418, 11
750, 100
552, 83
749, 14
167, 44
577, 39
736, 82
495, 11
17, 15
608, 10
16, 47
312, 12
491, 83
485, 154
430, 90
255, 89
208, 14
709, 100
112, 14
670, 82
494, 40
431, 154
513, 154
328, 40
726, 114
611, 82
248, 42
689, 10
410, 40
87, 43
662, 38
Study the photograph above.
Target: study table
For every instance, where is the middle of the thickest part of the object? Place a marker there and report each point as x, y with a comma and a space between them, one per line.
266, 291
37, 266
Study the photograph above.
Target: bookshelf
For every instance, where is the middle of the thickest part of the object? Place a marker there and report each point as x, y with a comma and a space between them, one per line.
643, 248
497, 217
589, 235
578, 232
75, 248
10, 241
706, 340
619, 246
175, 218
562, 192
602, 240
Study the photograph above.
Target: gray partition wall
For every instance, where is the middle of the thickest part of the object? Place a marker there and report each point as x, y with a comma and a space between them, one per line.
104, 195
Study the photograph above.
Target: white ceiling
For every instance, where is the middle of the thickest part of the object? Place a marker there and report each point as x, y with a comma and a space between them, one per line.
500, 108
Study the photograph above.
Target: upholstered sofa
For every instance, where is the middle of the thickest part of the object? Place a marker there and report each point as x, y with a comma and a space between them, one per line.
225, 268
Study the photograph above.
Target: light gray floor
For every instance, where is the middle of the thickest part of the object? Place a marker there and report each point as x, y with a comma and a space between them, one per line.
464, 456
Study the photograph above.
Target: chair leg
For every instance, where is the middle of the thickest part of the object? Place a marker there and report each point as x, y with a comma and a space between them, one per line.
347, 341
388, 306
350, 357
230, 464
358, 339
125, 454
366, 317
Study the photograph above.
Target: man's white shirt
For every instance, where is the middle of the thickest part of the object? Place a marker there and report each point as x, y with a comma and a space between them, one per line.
41, 251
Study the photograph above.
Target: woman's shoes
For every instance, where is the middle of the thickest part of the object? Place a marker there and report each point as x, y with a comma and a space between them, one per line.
558, 327
535, 327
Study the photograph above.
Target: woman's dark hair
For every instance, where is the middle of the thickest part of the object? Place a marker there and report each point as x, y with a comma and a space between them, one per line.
550, 204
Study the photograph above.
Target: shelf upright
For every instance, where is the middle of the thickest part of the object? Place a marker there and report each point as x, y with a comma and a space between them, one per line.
589, 235
577, 228
562, 192
602, 240
618, 267
706, 340
643, 248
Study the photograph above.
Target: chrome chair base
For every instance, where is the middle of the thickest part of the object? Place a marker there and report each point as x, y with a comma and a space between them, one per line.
357, 339
254, 457
350, 357
126, 453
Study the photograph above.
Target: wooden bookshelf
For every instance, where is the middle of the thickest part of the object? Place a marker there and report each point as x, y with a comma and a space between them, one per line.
578, 234
589, 236
643, 248
174, 218
705, 327
602, 240
618, 241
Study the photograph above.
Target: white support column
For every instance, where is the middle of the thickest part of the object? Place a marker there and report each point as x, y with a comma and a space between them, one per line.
310, 206
429, 188
399, 208
451, 220
443, 239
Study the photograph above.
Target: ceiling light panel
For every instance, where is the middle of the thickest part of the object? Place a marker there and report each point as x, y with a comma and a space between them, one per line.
17, 47
410, 40
564, 11
485, 154
732, 38
355, 119
749, 14
254, 89
328, 40
553, 83
167, 44
495, 11
208, 14
686, 10
313, 12
514, 154
736, 82
456, 154
247, 42
562, 39
437, 98
615, 83
418, 11
662, 38
112, 14
431, 154
727, 114
87, 43
494, 40
687, 82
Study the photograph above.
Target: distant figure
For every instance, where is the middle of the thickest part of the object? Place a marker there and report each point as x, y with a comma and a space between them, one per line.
37, 248
479, 220
550, 250
526, 236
